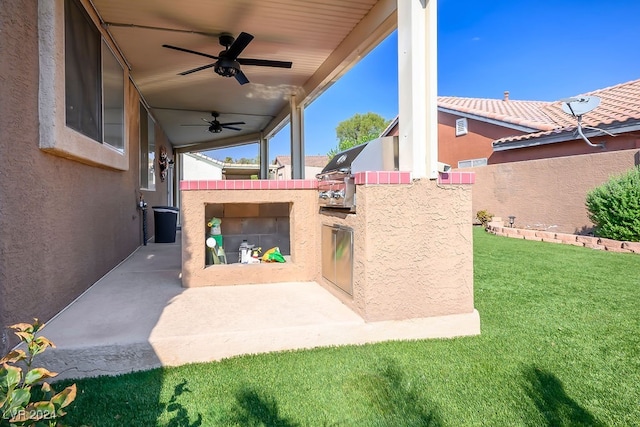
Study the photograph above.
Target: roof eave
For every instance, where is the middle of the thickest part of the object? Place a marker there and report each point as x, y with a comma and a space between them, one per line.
568, 135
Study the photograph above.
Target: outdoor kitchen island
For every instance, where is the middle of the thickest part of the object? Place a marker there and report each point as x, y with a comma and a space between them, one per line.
412, 244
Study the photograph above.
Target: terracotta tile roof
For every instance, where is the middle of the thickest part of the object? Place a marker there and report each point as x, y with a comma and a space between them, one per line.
312, 161
620, 105
524, 113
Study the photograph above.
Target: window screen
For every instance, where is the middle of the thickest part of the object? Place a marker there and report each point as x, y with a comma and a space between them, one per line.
82, 73
113, 94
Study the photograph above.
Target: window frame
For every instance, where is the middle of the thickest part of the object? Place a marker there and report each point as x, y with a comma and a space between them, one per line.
472, 163
55, 136
146, 167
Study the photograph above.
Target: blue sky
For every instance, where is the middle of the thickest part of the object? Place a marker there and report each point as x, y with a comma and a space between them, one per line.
537, 50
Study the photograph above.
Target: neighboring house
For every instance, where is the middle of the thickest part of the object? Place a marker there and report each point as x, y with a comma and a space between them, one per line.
542, 177
198, 166
508, 130
312, 166
480, 131
534, 165
244, 170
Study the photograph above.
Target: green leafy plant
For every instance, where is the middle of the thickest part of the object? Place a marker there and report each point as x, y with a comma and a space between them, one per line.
484, 217
22, 402
614, 207
357, 130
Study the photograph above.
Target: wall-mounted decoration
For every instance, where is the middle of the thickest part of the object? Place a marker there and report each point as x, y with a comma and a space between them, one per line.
163, 162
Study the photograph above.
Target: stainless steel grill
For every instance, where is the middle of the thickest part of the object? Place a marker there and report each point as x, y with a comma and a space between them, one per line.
336, 187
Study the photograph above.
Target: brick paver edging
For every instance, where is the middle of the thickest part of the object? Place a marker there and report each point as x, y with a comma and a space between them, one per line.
568, 239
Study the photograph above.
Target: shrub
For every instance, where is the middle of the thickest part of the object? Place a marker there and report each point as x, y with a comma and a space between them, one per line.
19, 404
484, 217
614, 207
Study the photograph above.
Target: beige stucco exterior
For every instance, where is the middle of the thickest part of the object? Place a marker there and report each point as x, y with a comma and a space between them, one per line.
413, 251
63, 223
548, 194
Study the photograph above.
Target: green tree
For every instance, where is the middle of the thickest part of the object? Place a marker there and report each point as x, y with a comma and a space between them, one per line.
357, 130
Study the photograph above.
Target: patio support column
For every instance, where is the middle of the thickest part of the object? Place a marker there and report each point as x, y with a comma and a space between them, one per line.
297, 139
264, 157
418, 87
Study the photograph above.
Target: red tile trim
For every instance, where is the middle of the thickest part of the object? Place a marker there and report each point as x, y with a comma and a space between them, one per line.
456, 178
382, 177
250, 184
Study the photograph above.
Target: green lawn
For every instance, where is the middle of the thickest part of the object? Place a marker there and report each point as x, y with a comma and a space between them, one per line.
560, 346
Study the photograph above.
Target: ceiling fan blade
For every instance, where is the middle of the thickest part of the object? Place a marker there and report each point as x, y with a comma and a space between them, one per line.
181, 49
204, 67
206, 121
230, 127
232, 123
238, 45
241, 78
264, 63
193, 125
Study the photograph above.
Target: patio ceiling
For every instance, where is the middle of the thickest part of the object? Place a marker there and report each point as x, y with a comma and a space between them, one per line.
322, 38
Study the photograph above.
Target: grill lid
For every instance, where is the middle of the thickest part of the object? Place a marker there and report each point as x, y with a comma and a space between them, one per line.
379, 154
341, 162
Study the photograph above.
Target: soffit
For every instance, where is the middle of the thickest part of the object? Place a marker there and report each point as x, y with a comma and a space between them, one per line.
322, 39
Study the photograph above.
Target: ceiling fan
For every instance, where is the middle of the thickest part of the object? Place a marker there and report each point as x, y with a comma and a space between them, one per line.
216, 127
227, 62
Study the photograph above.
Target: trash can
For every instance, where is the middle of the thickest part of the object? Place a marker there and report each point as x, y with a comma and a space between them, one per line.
165, 219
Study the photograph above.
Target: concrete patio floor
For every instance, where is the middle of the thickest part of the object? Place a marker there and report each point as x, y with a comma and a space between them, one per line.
139, 317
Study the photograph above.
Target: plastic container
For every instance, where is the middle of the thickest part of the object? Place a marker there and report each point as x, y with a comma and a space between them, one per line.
244, 252
165, 220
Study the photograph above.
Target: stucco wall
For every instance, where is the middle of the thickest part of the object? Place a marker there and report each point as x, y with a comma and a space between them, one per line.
304, 239
413, 251
547, 194
63, 224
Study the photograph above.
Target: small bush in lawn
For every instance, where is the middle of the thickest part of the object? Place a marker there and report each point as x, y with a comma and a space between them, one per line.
484, 217
614, 207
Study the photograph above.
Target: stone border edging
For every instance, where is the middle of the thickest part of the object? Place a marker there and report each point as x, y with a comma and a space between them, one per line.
566, 238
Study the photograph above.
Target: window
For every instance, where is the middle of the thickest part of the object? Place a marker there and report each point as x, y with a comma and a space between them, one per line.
147, 150
461, 127
82, 86
94, 81
472, 163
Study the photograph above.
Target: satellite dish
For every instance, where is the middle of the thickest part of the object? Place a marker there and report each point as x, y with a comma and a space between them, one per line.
579, 106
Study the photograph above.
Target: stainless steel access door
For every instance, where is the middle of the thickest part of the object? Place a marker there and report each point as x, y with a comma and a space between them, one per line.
337, 256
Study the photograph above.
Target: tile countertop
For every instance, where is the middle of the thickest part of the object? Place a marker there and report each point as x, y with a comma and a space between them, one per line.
361, 178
